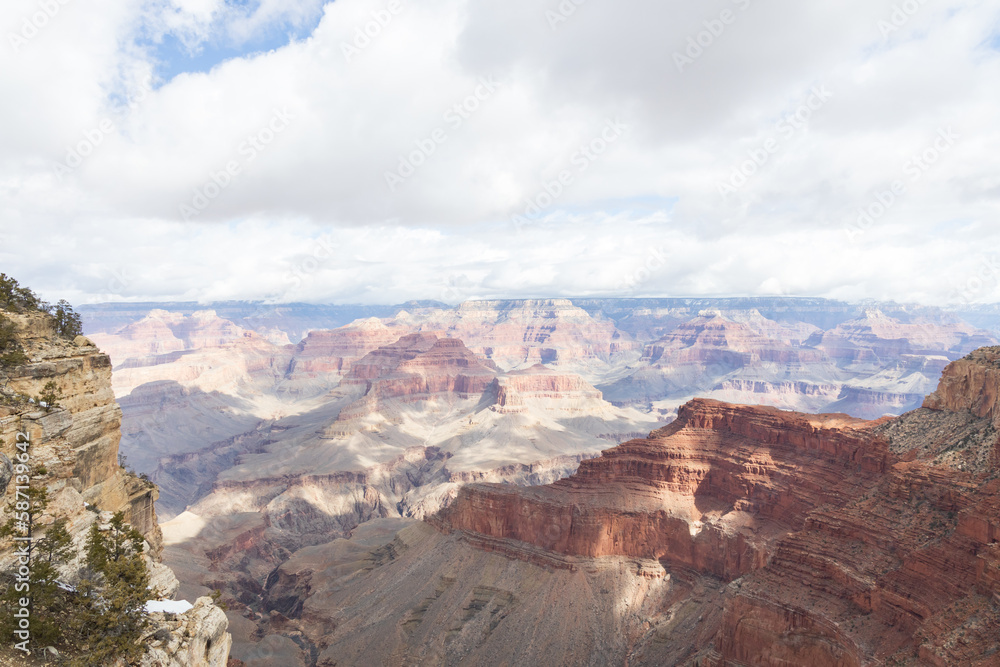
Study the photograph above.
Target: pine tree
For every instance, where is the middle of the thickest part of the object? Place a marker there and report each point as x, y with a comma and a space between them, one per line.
68, 322
47, 600
111, 617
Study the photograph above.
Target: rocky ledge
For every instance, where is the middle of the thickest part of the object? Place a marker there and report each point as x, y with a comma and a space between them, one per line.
837, 541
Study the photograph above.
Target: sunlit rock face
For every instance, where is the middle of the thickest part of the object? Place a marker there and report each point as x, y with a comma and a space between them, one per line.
73, 448
737, 535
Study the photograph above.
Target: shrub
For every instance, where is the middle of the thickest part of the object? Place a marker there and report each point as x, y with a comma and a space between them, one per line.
111, 614
18, 299
45, 556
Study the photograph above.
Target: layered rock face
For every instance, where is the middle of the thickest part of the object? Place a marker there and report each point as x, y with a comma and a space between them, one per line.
332, 352
764, 537
867, 367
710, 492
74, 455
538, 384
78, 444
411, 423
971, 384
877, 336
518, 334
416, 368
716, 355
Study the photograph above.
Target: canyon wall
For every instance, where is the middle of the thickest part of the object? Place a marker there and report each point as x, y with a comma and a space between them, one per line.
73, 454
769, 537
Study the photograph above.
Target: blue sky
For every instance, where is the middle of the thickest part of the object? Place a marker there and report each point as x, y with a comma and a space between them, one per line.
174, 52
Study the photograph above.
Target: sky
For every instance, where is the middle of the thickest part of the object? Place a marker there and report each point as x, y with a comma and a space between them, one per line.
380, 151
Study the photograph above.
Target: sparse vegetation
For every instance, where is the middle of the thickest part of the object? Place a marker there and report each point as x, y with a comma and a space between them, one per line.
103, 619
217, 599
110, 618
45, 556
18, 299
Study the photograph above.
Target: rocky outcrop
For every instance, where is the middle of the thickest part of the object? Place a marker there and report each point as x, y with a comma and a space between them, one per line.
512, 391
196, 638
521, 333
324, 353
77, 441
6, 473
844, 542
73, 435
709, 492
971, 384
878, 337
417, 367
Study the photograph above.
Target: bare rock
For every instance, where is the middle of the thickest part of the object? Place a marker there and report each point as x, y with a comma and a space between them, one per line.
200, 639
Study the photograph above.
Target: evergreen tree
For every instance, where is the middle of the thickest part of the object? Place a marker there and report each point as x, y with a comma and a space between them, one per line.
47, 600
68, 322
111, 615
11, 352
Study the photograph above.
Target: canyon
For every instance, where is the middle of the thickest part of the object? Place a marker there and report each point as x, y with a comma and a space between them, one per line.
440, 469
737, 535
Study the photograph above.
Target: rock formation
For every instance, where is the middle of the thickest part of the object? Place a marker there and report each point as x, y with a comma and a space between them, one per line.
734, 536
196, 638
971, 384
518, 334
74, 454
323, 353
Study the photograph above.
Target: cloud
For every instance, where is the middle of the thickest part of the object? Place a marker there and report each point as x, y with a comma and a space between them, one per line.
413, 132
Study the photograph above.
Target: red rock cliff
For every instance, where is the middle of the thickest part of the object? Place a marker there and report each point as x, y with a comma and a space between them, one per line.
971, 384
710, 491
845, 542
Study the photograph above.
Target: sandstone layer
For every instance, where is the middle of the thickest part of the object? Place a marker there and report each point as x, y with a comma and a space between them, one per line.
73, 435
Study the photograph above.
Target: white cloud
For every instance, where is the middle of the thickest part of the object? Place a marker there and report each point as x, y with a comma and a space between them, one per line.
446, 230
